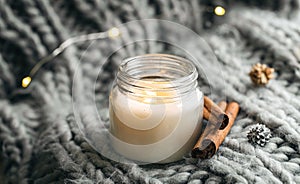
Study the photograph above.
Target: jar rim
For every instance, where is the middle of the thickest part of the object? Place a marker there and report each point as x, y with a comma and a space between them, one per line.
158, 56
185, 82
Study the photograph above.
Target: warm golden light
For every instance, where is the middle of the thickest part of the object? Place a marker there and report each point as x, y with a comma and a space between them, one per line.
219, 10
26, 81
114, 32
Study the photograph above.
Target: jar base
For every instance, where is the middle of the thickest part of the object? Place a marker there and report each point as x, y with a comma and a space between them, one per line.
132, 152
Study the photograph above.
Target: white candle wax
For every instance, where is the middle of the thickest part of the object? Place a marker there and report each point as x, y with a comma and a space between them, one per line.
150, 130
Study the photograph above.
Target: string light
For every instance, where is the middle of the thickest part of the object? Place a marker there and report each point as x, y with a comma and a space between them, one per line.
111, 33
26, 81
219, 10
114, 32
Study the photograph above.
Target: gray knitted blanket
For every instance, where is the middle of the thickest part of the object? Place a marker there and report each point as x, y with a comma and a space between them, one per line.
40, 140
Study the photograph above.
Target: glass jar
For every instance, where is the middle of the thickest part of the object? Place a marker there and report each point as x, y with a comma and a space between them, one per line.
155, 108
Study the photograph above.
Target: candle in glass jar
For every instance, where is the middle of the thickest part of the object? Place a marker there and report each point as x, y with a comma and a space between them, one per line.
155, 122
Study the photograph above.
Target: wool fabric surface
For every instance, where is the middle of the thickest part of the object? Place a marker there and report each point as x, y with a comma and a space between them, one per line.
40, 141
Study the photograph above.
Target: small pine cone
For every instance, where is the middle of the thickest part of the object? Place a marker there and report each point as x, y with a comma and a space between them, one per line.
259, 134
260, 74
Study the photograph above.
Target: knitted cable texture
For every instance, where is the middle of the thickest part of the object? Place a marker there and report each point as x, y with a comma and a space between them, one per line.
40, 141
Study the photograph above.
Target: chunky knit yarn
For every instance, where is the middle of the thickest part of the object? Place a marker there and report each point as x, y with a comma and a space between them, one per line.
40, 141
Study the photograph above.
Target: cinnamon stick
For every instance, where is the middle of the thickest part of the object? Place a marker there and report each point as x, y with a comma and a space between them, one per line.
212, 138
222, 105
211, 118
214, 114
209, 129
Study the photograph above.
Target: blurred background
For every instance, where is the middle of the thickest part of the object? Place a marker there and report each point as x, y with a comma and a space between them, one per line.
39, 139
